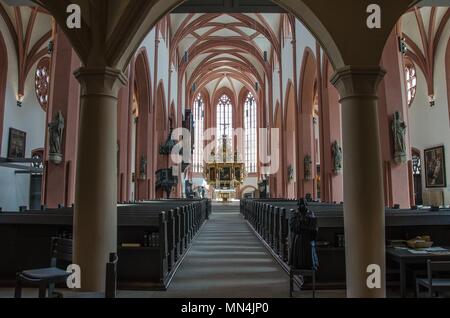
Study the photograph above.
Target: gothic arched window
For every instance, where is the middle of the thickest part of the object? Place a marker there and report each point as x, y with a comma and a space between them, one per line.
199, 124
224, 120
250, 122
42, 82
411, 82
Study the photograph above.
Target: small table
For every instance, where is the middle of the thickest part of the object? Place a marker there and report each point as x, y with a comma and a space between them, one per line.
405, 256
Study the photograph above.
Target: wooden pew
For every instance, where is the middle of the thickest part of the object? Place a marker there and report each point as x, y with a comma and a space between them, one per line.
271, 220
143, 267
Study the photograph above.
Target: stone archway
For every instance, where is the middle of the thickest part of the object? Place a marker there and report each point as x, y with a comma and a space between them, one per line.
244, 191
358, 75
3, 78
278, 190
290, 136
160, 132
307, 151
142, 85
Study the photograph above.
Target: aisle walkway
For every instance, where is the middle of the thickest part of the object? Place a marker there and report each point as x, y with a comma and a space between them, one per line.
228, 260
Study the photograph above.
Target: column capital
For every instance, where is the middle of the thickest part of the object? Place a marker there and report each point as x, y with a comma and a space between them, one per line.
358, 81
103, 81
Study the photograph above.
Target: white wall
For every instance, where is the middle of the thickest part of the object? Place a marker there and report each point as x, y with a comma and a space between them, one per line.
15, 188
429, 126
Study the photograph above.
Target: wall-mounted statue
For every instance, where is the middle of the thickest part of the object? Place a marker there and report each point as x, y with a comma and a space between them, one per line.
56, 131
337, 157
399, 135
167, 147
143, 168
290, 173
308, 167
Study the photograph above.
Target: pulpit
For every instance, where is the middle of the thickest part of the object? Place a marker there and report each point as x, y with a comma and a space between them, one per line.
165, 180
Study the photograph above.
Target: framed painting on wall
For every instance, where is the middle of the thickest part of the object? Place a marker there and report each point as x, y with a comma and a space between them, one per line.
435, 175
16, 144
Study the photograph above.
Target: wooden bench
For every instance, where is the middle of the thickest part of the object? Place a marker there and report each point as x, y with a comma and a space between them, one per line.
142, 267
270, 219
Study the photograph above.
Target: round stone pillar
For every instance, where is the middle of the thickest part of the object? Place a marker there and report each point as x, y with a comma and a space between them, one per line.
95, 215
364, 215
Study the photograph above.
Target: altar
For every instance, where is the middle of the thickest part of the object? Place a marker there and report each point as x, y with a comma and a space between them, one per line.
224, 171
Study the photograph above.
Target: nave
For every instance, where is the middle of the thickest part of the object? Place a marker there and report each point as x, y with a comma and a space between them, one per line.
227, 260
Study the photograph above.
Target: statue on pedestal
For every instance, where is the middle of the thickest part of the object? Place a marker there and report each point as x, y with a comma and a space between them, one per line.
337, 157
56, 130
303, 235
399, 134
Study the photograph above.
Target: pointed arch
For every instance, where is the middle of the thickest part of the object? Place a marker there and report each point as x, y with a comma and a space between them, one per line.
3, 79
143, 97
291, 145
307, 136
160, 131
278, 183
308, 77
143, 80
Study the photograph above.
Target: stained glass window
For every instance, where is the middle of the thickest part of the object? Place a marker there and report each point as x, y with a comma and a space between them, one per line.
42, 81
224, 120
411, 82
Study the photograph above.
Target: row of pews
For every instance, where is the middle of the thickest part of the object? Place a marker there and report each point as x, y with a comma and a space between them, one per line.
270, 219
153, 237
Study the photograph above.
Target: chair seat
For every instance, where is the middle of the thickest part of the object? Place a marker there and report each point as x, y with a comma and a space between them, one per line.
435, 282
46, 273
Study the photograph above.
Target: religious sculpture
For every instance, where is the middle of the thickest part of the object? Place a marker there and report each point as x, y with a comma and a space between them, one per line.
399, 135
167, 147
143, 168
308, 167
290, 173
56, 130
337, 157
303, 235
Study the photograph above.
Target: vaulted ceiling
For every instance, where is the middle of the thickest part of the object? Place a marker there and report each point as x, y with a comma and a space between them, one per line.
30, 30
233, 50
423, 31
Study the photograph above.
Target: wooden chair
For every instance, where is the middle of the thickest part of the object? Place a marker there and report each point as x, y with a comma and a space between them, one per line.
301, 273
47, 277
431, 284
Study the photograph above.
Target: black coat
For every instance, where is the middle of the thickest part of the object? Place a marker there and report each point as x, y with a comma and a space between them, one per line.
303, 235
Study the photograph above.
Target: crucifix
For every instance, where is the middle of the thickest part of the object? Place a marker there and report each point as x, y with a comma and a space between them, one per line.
224, 129
224, 141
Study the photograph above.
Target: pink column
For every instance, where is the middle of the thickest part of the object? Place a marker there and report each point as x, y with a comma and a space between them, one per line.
123, 136
330, 131
392, 96
59, 180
